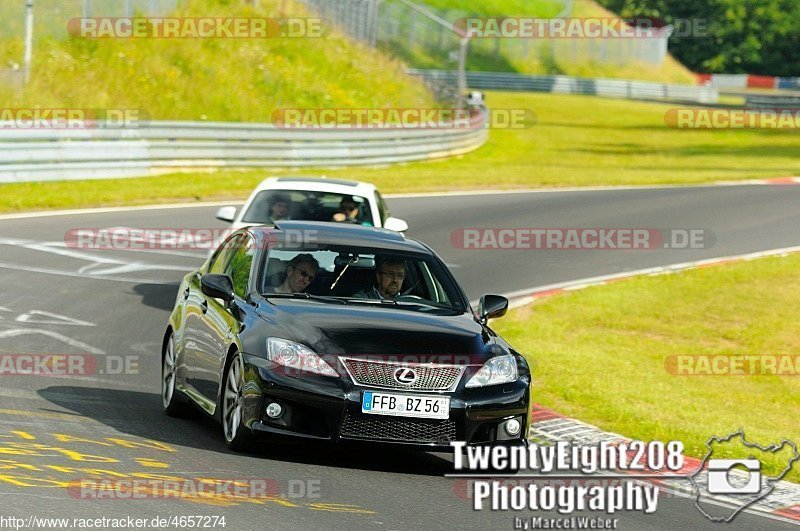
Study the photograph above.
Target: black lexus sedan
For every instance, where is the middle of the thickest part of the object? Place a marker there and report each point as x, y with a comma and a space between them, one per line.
340, 332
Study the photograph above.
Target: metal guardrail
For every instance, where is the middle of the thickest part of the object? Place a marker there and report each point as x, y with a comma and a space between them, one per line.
772, 102
56, 154
613, 88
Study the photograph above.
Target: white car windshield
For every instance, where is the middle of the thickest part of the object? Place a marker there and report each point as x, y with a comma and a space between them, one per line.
273, 205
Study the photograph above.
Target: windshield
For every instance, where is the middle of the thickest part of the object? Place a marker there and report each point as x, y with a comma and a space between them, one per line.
273, 205
360, 275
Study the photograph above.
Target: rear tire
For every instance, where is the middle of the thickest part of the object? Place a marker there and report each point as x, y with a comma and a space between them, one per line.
171, 398
238, 436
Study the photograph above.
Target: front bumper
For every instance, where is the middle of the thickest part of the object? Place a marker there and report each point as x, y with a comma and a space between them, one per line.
329, 409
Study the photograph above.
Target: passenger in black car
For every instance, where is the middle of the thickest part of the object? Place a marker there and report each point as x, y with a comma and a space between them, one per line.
389, 276
300, 272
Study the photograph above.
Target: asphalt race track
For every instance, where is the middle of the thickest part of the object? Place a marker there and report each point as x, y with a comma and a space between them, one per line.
112, 306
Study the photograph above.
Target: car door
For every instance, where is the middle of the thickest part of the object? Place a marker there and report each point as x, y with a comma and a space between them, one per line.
197, 341
220, 322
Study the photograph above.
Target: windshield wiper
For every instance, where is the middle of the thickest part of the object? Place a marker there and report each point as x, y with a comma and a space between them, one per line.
374, 302
393, 302
300, 295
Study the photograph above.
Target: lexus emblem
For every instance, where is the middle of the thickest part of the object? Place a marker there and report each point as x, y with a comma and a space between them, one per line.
405, 376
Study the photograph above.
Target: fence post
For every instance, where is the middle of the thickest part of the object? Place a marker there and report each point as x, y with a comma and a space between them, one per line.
411, 28
28, 39
374, 6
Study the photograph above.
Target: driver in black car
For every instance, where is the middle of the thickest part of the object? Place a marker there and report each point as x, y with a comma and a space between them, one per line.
389, 276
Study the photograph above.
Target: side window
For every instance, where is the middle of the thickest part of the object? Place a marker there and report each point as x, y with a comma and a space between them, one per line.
223, 255
239, 266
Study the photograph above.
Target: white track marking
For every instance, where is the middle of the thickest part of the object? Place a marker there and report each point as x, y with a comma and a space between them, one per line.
16, 332
107, 210
54, 318
90, 270
85, 277
97, 260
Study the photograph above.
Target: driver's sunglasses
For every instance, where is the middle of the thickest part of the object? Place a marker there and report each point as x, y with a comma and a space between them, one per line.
350, 209
303, 274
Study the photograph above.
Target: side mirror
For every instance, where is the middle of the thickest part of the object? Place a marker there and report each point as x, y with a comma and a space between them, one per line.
395, 224
227, 213
492, 306
217, 286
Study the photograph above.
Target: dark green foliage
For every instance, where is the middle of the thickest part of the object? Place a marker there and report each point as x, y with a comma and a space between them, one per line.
742, 36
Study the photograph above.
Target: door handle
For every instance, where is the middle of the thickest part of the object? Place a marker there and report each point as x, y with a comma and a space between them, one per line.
204, 306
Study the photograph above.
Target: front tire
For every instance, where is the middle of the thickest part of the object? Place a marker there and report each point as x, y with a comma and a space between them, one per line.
237, 435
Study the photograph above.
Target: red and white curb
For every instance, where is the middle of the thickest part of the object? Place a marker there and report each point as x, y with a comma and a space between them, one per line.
779, 180
547, 426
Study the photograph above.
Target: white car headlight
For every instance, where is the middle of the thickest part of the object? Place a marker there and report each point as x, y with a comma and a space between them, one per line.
297, 356
498, 370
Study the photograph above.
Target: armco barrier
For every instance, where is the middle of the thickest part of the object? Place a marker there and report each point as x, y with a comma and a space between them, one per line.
613, 88
56, 154
772, 102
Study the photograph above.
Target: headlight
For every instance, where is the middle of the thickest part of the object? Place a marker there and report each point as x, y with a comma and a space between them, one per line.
297, 356
498, 370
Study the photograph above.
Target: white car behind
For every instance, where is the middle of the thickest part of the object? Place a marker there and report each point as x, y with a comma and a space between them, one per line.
312, 198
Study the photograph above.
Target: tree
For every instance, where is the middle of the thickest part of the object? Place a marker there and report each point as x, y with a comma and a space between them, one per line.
730, 36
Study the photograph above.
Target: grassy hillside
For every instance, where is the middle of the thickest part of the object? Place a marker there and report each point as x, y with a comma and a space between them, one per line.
538, 56
214, 79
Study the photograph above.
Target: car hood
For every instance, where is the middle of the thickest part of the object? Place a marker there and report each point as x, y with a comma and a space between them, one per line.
365, 331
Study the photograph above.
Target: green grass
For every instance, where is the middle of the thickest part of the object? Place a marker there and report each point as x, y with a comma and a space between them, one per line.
578, 141
599, 354
212, 79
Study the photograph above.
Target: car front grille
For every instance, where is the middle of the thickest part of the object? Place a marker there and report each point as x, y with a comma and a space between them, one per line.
430, 377
399, 429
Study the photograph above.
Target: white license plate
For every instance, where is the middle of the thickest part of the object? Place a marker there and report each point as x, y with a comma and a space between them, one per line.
429, 407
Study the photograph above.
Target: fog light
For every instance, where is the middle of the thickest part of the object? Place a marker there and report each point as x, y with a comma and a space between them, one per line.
274, 410
512, 427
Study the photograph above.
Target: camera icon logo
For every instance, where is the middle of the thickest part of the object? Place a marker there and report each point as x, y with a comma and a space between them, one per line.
720, 476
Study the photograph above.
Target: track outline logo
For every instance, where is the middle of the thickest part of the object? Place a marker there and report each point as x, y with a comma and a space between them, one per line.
729, 463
